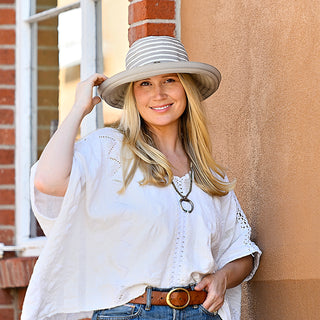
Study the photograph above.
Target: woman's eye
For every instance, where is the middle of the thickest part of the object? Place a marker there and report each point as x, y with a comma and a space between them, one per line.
170, 80
144, 83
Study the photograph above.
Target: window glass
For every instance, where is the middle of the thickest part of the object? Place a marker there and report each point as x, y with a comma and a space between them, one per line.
47, 81
115, 45
58, 56
58, 71
43, 5
69, 37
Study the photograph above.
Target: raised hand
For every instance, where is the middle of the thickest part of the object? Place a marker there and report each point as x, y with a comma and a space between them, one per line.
84, 101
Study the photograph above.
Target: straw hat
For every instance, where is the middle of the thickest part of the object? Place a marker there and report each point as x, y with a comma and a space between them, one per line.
155, 55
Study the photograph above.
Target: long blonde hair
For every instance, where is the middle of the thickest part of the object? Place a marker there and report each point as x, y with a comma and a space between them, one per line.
193, 132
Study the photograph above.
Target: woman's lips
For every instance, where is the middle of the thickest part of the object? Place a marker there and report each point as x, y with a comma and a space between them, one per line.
163, 107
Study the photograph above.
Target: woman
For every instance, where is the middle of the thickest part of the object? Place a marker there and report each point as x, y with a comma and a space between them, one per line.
141, 222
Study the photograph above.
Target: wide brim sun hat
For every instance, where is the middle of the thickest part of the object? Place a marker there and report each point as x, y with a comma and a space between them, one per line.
156, 55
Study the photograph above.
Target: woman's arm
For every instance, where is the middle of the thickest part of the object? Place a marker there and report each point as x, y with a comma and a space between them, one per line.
231, 275
54, 167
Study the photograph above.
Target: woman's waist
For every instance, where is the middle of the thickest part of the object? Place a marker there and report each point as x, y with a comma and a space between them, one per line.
175, 297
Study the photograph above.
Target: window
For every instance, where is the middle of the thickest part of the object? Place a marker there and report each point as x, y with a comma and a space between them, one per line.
58, 41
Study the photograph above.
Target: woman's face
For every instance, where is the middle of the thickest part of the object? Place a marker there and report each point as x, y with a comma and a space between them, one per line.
160, 100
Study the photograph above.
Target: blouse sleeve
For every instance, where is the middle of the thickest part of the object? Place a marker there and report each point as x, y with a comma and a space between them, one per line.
46, 208
236, 235
100, 149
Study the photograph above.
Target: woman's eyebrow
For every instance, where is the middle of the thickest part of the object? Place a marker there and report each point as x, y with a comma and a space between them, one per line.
143, 79
163, 76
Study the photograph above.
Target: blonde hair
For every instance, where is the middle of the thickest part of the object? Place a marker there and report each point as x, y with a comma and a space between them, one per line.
208, 175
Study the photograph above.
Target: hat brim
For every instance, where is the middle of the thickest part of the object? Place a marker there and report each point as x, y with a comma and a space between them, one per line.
206, 77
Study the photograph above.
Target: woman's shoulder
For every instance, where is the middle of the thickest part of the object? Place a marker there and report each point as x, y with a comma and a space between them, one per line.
101, 135
106, 139
106, 132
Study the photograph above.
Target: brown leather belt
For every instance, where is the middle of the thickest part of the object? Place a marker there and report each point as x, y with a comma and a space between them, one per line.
177, 298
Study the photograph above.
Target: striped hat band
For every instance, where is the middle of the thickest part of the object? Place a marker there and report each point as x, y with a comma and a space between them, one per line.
156, 55
150, 50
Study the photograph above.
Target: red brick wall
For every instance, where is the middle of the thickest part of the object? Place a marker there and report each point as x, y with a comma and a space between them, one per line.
151, 17
7, 108
8, 298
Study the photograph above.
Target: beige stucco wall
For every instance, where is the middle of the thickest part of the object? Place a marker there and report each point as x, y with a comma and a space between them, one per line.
265, 124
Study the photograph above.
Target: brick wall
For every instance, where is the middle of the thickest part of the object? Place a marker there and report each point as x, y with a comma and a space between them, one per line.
7, 132
152, 17
8, 299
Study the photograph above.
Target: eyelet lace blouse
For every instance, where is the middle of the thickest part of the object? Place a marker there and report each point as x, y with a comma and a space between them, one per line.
104, 248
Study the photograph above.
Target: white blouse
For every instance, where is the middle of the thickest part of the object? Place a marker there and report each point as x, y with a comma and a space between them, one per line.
104, 248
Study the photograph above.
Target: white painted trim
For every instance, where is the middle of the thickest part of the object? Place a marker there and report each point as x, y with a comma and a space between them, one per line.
23, 130
178, 19
89, 58
52, 12
34, 91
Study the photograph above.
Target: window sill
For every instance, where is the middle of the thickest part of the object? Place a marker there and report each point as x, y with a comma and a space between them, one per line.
16, 272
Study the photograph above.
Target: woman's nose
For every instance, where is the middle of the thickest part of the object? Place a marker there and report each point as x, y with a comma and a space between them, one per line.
159, 92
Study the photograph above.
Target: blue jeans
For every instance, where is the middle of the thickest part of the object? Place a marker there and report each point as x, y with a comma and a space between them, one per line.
143, 312
137, 311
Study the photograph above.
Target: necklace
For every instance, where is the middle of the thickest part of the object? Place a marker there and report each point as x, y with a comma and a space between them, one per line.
184, 201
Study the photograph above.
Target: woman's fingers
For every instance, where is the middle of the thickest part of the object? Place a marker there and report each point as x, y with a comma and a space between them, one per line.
84, 101
94, 80
96, 100
213, 302
98, 79
215, 285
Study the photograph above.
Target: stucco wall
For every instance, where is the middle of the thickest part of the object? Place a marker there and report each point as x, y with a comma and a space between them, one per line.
265, 124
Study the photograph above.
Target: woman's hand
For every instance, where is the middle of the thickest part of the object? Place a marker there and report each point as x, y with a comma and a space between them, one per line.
216, 286
84, 101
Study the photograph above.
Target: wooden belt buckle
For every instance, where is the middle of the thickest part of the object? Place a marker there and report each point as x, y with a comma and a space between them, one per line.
172, 305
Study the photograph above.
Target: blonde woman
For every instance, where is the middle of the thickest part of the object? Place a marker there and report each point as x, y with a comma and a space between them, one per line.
141, 221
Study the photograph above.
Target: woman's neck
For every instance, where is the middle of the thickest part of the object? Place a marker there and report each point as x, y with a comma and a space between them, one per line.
167, 140
170, 144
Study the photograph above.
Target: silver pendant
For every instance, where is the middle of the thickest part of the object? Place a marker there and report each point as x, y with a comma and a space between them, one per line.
189, 202
185, 203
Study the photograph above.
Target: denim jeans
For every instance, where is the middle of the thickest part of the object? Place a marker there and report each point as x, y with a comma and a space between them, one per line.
144, 312
137, 311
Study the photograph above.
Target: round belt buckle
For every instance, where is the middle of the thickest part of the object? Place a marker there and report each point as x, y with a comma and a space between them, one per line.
172, 305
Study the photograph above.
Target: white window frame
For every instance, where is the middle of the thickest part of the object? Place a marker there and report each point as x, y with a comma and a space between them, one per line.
91, 62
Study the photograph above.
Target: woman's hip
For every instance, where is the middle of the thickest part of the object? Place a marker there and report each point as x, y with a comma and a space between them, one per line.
175, 304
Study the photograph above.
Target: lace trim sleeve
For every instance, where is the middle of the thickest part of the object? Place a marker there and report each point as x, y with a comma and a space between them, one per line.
236, 236
253, 249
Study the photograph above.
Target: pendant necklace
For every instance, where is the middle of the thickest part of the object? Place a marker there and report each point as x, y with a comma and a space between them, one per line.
184, 201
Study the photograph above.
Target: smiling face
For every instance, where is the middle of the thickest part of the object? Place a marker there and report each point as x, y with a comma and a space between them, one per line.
160, 100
